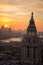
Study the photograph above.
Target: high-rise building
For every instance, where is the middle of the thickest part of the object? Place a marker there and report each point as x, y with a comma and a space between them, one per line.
31, 47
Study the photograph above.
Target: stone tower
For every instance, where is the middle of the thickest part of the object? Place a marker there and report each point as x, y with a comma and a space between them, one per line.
30, 46
31, 30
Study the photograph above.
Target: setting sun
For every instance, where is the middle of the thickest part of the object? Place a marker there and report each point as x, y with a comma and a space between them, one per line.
6, 26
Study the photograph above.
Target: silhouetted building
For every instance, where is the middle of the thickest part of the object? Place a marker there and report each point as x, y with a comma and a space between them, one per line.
31, 48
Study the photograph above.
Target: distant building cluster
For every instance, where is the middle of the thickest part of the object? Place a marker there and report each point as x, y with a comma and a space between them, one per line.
6, 33
29, 51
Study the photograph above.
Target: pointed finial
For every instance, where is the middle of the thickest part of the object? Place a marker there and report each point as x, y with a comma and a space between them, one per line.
32, 15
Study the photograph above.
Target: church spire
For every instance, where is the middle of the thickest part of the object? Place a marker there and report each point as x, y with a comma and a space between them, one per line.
32, 19
31, 28
32, 15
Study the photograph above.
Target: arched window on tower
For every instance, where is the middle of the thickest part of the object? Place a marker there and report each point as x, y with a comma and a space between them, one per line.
34, 52
29, 40
33, 40
27, 51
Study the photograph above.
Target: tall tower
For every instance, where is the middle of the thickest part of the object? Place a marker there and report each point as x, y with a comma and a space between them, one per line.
31, 30
31, 33
30, 49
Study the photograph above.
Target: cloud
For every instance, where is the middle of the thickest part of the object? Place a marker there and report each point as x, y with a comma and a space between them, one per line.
21, 7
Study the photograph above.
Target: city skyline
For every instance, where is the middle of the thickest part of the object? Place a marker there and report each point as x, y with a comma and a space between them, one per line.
16, 13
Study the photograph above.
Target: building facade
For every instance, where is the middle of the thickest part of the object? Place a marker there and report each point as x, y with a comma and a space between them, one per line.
32, 47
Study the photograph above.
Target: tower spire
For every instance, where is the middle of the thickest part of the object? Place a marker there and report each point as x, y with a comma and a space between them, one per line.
31, 28
32, 15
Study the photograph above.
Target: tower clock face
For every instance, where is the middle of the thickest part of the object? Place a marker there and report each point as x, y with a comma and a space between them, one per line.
31, 33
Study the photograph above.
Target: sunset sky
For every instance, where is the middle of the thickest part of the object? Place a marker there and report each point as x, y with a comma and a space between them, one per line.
17, 13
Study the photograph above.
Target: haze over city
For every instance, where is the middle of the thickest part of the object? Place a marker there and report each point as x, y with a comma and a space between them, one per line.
16, 13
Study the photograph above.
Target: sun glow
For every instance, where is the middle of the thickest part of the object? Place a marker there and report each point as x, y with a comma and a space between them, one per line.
5, 19
6, 26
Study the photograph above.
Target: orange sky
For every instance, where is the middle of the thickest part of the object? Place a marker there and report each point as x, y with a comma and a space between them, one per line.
17, 13
22, 23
